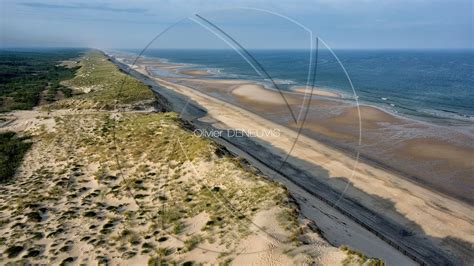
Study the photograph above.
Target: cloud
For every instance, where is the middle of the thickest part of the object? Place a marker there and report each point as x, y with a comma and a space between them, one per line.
100, 7
347, 23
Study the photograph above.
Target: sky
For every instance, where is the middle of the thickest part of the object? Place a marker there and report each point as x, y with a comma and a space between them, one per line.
354, 24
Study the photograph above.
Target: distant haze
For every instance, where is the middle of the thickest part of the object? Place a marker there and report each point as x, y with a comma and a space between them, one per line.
341, 23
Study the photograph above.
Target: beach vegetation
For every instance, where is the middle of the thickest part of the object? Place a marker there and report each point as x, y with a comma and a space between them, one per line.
12, 151
358, 258
103, 85
192, 242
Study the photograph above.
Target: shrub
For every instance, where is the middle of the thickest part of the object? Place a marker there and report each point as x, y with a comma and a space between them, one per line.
12, 150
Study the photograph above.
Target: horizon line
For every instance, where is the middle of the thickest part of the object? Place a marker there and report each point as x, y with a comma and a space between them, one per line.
230, 49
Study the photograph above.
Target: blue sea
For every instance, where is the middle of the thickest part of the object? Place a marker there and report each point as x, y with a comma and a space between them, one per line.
430, 85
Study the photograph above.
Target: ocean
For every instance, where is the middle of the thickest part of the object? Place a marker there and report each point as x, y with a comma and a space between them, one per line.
436, 86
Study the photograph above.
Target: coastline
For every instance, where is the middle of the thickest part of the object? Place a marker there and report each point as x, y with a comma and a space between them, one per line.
80, 200
379, 136
435, 116
369, 118
388, 178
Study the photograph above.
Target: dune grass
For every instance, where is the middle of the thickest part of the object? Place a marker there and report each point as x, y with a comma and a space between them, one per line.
355, 257
108, 87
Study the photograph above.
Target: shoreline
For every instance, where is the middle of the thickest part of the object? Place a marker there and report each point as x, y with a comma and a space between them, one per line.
248, 86
351, 152
375, 122
436, 197
460, 124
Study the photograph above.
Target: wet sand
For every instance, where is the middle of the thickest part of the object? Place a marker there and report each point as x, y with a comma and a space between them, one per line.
257, 94
385, 139
316, 91
195, 72
445, 222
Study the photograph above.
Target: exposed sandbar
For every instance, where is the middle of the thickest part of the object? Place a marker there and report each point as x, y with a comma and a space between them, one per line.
316, 91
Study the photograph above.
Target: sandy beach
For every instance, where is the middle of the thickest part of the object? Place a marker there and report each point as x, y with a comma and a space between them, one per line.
433, 221
383, 138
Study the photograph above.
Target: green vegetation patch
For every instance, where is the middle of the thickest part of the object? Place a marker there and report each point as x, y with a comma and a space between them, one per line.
12, 150
355, 257
106, 85
161, 137
30, 78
